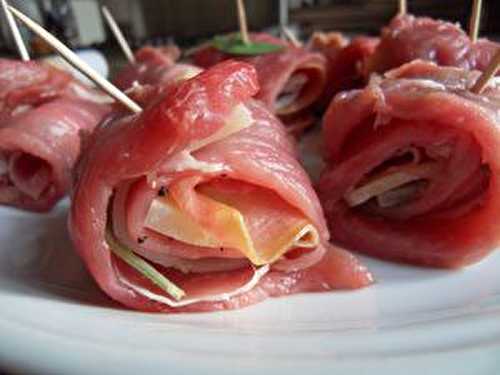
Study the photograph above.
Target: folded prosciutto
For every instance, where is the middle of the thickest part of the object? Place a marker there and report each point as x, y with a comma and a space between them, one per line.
346, 61
44, 113
291, 80
408, 38
154, 66
199, 204
413, 169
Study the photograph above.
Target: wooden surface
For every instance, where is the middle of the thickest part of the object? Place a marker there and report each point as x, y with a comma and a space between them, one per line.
203, 18
371, 15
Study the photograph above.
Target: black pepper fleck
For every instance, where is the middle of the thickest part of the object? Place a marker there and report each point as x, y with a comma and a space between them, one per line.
163, 191
142, 239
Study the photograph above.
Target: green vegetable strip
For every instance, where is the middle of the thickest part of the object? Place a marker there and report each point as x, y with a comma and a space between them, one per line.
233, 44
144, 268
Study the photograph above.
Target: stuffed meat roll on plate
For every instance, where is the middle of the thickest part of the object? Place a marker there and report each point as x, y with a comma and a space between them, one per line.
412, 167
199, 204
45, 117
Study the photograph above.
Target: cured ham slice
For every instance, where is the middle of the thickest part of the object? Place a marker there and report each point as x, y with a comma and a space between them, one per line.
413, 172
346, 61
291, 80
408, 38
44, 113
199, 204
154, 66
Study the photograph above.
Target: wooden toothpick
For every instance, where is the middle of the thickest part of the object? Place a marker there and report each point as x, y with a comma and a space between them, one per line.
475, 20
291, 37
403, 7
242, 19
120, 38
77, 62
14, 30
490, 72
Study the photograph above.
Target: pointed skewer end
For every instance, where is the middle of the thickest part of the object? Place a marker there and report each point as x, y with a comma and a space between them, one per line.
118, 34
16, 34
77, 62
489, 73
291, 37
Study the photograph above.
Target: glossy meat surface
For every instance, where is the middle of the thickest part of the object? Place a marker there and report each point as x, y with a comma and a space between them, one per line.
44, 113
135, 159
424, 117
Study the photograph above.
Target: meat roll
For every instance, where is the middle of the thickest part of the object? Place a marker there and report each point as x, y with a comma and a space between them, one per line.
44, 113
413, 168
199, 204
408, 38
291, 81
154, 66
346, 61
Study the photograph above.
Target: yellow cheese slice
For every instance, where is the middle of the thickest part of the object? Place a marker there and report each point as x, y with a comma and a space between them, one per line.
257, 222
252, 221
391, 179
188, 73
165, 217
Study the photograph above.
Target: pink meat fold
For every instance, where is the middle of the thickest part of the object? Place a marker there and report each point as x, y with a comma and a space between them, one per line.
408, 38
274, 70
427, 114
44, 114
135, 158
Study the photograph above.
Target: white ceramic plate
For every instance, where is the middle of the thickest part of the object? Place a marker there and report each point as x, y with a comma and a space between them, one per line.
54, 320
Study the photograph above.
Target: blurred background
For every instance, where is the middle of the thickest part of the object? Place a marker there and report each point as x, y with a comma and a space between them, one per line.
79, 22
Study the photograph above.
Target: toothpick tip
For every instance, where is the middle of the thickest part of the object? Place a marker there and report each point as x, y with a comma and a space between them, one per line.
118, 34
491, 70
16, 34
291, 37
77, 62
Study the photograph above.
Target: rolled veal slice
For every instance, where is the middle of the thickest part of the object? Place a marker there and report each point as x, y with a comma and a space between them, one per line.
291, 81
154, 66
346, 61
44, 113
409, 38
413, 168
199, 204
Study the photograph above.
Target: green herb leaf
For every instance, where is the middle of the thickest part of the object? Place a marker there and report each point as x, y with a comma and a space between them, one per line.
234, 45
144, 268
